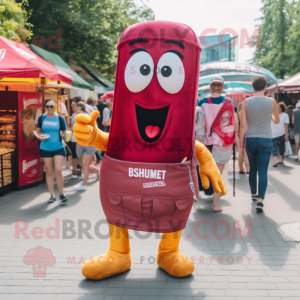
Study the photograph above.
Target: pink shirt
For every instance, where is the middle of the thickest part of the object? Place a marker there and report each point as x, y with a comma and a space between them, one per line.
210, 112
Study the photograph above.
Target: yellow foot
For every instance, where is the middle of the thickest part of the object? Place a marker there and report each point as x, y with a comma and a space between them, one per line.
175, 263
106, 265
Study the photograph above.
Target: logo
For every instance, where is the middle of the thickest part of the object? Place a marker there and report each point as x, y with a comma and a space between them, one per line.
228, 129
50, 123
146, 173
153, 184
29, 102
23, 52
26, 166
224, 122
2, 54
39, 258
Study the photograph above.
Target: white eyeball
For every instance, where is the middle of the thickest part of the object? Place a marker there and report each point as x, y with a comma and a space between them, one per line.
170, 73
139, 71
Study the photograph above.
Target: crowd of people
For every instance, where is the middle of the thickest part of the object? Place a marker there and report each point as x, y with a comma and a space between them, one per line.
54, 148
261, 128
258, 127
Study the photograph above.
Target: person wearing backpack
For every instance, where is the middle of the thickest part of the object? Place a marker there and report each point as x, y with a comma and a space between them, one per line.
221, 125
52, 149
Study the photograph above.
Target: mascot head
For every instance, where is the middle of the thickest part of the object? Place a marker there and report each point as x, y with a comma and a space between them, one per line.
155, 93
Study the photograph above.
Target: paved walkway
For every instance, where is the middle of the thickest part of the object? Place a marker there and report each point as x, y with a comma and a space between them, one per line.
259, 266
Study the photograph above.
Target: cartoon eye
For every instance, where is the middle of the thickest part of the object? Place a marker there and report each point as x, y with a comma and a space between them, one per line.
170, 73
139, 71
43, 258
35, 258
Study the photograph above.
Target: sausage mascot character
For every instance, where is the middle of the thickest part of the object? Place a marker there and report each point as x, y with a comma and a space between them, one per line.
148, 178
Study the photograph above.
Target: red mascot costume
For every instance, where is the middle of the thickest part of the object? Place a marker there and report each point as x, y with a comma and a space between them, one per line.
148, 178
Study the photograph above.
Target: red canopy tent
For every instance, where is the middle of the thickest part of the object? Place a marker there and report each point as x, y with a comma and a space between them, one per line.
17, 61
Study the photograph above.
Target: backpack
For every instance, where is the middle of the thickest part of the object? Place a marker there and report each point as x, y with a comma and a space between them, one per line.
61, 123
223, 124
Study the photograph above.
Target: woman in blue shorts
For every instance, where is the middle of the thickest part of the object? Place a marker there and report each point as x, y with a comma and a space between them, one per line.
86, 155
52, 149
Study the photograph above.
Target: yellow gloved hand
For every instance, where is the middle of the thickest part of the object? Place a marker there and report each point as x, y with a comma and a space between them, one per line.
208, 170
87, 133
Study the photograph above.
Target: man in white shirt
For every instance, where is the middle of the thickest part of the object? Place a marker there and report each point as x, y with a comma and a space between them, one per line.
280, 134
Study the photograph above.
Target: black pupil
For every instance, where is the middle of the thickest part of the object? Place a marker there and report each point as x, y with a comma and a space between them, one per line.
145, 70
166, 71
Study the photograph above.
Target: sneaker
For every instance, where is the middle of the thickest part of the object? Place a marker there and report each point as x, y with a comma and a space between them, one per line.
63, 199
74, 176
80, 177
80, 188
296, 159
52, 199
254, 198
259, 207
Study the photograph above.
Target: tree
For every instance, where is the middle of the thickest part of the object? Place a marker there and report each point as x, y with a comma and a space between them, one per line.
86, 31
293, 44
13, 21
273, 53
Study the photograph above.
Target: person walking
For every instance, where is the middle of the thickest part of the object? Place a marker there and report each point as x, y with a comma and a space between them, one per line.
73, 144
256, 115
280, 134
52, 149
85, 154
296, 123
109, 98
220, 152
241, 159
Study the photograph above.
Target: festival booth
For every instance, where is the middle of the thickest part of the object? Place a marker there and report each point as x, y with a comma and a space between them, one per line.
237, 78
57, 91
23, 77
288, 90
94, 77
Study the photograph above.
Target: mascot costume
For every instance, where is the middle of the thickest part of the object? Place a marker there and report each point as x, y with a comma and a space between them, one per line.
148, 176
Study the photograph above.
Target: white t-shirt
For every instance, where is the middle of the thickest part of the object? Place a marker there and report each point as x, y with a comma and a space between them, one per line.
106, 114
63, 109
279, 129
72, 124
89, 108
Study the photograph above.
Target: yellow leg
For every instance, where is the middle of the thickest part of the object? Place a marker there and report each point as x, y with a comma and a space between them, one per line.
116, 260
170, 259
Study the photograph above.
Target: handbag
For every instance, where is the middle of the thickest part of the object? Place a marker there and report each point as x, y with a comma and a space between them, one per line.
67, 148
288, 149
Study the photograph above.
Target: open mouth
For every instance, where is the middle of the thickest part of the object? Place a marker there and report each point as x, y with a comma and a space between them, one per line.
151, 122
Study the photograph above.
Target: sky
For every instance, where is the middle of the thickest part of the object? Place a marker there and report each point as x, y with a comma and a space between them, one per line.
217, 14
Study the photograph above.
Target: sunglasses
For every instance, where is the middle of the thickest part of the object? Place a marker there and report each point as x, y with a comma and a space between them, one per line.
49, 106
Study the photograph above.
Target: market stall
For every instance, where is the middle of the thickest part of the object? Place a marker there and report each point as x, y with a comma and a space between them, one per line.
61, 92
288, 90
20, 162
237, 78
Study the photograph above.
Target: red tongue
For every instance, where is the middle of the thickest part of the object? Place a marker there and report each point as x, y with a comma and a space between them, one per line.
152, 131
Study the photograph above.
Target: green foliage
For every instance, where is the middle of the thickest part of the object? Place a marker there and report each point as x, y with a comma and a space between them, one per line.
274, 52
294, 43
90, 29
13, 20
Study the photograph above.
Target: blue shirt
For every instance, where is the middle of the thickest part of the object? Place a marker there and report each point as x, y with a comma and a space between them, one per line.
51, 126
217, 100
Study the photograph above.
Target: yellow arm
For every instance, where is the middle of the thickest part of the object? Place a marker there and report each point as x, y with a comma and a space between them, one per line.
87, 133
209, 170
